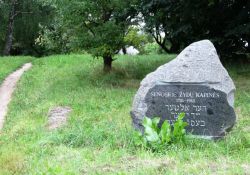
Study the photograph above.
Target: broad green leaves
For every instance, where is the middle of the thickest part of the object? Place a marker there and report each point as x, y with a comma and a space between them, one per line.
155, 136
165, 132
179, 128
151, 129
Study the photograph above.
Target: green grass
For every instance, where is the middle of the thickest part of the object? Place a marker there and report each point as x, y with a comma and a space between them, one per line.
98, 137
10, 64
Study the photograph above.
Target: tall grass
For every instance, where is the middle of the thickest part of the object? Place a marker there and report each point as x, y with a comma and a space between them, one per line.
10, 64
98, 138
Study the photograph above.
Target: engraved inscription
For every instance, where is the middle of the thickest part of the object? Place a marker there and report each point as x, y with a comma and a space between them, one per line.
203, 107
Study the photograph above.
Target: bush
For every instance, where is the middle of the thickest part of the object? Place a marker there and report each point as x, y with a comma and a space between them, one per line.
152, 48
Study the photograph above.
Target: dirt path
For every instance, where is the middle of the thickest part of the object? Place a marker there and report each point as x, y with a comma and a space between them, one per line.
7, 88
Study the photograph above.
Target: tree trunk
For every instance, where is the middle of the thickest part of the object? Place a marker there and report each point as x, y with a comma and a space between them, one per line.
10, 29
124, 50
161, 43
163, 47
107, 60
175, 48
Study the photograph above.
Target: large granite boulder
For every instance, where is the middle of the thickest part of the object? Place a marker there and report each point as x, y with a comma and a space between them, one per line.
195, 83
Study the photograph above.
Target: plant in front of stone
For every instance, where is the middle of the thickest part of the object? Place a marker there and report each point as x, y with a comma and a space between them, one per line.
179, 131
156, 137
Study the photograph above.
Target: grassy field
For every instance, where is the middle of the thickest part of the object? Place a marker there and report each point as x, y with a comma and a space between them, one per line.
98, 138
9, 64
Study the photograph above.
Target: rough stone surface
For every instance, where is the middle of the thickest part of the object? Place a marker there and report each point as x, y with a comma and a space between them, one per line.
196, 83
58, 116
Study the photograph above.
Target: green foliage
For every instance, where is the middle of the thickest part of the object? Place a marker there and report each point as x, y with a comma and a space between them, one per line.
55, 41
98, 27
156, 137
136, 38
4, 7
179, 128
151, 48
28, 16
225, 23
103, 27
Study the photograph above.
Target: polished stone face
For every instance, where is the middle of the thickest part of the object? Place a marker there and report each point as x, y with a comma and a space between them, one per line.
207, 110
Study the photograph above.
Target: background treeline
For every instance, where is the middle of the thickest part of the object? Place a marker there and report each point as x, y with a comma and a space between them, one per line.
103, 27
20, 22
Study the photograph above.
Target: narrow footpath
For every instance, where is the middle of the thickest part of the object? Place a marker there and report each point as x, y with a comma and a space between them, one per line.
7, 88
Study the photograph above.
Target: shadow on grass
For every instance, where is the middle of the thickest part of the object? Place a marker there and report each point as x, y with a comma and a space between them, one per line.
127, 71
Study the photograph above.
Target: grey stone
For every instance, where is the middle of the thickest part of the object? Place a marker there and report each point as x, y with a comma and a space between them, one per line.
58, 116
196, 83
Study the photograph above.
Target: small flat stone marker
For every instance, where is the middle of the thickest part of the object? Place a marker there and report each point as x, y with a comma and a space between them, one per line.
58, 116
195, 83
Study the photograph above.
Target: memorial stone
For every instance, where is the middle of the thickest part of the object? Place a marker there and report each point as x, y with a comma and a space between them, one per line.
195, 83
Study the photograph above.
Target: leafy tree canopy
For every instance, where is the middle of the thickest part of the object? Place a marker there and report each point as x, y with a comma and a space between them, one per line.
26, 16
177, 23
97, 26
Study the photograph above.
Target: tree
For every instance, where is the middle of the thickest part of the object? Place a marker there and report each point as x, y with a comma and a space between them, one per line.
10, 28
175, 24
3, 23
97, 26
13, 13
22, 18
135, 37
162, 21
